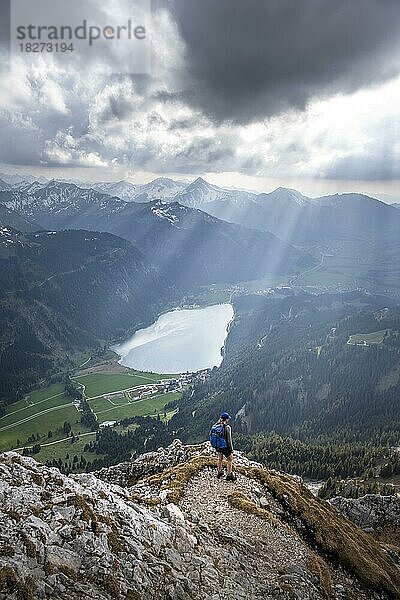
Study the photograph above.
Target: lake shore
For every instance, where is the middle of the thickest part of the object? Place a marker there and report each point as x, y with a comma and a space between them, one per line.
180, 340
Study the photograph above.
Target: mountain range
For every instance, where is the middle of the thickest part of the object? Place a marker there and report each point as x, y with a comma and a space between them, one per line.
163, 219
188, 245
164, 247
301, 220
285, 212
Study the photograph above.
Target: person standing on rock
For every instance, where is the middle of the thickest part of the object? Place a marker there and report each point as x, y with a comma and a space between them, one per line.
221, 440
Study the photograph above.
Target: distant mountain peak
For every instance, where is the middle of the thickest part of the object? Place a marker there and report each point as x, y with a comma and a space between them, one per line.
162, 180
202, 184
165, 211
283, 193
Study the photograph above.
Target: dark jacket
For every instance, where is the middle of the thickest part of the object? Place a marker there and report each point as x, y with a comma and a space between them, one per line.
228, 437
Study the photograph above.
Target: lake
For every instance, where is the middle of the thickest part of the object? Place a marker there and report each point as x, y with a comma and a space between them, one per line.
180, 340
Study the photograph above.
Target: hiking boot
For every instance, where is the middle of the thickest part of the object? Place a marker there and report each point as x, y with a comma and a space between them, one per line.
231, 477
219, 474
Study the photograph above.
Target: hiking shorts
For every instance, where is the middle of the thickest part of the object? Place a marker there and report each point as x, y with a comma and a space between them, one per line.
225, 451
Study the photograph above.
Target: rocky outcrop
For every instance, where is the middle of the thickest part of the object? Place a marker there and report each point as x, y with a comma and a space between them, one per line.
370, 511
152, 462
164, 527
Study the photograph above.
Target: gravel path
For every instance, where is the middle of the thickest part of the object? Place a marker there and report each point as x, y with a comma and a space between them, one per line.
246, 546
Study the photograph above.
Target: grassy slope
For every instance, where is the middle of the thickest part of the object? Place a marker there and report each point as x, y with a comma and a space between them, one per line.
52, 398
371, 338
63, 448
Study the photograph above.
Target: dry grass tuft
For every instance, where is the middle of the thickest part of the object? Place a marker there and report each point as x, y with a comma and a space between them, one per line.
115, 541
146, 501
175, 478
333, 533
7, 550
82, 502
14, 514
241, 501
133, 595
111, 585
38, 479
319, 567
68, 572
11, 584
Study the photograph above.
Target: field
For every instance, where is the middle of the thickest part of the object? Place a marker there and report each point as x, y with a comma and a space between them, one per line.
62, 448
366, 339
48, 408
262, 285
41, 415
221, 293
41, 411
97, 384
114, 410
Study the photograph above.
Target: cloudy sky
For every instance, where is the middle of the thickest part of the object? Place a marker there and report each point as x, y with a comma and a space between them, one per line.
247, 93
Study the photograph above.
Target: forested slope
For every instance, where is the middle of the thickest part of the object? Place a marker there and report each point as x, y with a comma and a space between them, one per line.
289, 371
63, 292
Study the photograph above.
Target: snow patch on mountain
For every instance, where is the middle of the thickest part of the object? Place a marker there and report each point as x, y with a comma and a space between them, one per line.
9, 237
164, 213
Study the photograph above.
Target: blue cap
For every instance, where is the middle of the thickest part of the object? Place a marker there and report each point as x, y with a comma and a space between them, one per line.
225, 415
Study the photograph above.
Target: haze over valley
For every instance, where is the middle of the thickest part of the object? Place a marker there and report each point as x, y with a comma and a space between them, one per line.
89, 268
204, 221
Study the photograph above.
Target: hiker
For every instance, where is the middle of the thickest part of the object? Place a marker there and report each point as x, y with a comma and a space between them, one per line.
221, 440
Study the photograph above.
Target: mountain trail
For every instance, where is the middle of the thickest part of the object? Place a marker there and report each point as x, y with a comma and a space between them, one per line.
271, 559
163, 527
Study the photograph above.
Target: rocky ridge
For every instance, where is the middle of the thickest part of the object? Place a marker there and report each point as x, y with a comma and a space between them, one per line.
162, 526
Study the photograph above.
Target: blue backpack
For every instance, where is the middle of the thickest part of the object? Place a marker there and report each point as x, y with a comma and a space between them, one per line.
217, 436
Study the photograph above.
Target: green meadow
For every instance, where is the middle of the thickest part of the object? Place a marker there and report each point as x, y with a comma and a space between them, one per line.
38, 413
97, 384
106, 410
47, 409
376, 337
63, 448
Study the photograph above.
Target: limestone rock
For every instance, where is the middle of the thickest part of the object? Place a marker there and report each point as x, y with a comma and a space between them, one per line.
112, 535
371, 510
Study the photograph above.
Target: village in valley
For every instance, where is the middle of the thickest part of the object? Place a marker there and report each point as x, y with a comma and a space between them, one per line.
66, 415
168, 385
113, 392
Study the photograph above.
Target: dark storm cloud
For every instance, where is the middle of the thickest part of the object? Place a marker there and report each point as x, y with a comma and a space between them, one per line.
208, 151
246, 59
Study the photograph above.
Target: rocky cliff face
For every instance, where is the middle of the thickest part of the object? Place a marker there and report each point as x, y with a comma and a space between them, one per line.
371, 511
375, 514
163, 527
